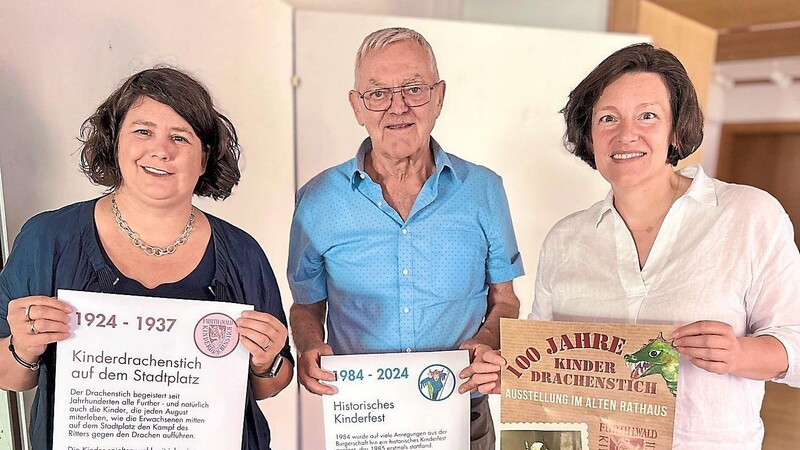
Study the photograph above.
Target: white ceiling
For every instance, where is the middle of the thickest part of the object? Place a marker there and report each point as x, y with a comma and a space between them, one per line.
759, 69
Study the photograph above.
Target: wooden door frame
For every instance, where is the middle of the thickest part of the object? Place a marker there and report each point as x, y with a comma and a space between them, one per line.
730, 131
776, 400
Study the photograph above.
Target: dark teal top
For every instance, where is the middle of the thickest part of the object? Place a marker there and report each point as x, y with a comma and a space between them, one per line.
60, 250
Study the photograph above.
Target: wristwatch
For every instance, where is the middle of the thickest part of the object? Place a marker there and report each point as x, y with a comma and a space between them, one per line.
34, 367
273, 370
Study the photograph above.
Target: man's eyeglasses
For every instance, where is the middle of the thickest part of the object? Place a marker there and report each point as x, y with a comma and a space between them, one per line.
413, 94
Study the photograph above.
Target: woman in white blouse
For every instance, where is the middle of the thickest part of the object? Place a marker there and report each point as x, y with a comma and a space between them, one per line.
671, 247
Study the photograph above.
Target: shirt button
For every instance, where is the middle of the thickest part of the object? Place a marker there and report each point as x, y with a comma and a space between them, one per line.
362, 176
380, 203
406, 310
405, 271
405, 231
408, 350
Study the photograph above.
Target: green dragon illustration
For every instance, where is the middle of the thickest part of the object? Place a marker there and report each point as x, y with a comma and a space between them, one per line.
656, 357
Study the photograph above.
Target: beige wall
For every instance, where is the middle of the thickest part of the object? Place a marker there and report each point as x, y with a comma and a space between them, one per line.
59, 60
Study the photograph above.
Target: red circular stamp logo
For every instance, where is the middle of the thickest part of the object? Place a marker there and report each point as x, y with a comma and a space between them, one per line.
215, 335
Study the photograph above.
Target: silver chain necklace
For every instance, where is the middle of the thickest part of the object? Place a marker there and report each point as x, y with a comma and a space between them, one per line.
138, 242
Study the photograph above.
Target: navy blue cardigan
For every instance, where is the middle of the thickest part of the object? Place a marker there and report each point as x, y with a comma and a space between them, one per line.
59, 250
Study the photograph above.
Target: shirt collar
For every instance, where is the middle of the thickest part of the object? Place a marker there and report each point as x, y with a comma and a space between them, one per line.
357, 172
606, 207
701, 190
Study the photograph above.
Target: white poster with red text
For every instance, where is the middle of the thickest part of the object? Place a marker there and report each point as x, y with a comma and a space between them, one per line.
150, 373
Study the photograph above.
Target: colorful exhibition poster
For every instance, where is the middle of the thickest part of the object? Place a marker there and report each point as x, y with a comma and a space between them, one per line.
587, 386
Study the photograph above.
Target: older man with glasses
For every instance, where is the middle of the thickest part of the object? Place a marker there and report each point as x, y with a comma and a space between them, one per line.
405, 247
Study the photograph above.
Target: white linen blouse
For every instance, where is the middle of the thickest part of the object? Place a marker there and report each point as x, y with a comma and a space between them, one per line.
724, 252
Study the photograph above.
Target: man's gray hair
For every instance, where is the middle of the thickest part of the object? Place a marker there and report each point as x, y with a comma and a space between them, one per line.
382, 38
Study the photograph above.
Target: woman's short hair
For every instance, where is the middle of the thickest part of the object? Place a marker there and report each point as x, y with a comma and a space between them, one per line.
687, 118
100, 133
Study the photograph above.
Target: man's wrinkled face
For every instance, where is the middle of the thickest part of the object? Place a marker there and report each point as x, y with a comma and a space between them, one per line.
401, 131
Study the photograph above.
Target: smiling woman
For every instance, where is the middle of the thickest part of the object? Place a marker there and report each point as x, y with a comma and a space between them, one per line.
159, 155
154, 143
717, 260
185, 98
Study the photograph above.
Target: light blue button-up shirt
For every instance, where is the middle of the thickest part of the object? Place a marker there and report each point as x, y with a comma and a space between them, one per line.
394, 285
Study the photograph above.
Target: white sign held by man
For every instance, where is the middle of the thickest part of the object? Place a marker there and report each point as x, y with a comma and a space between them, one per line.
397, 400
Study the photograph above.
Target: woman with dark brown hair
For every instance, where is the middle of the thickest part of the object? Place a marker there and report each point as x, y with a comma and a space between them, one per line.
154, 143
672, 247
